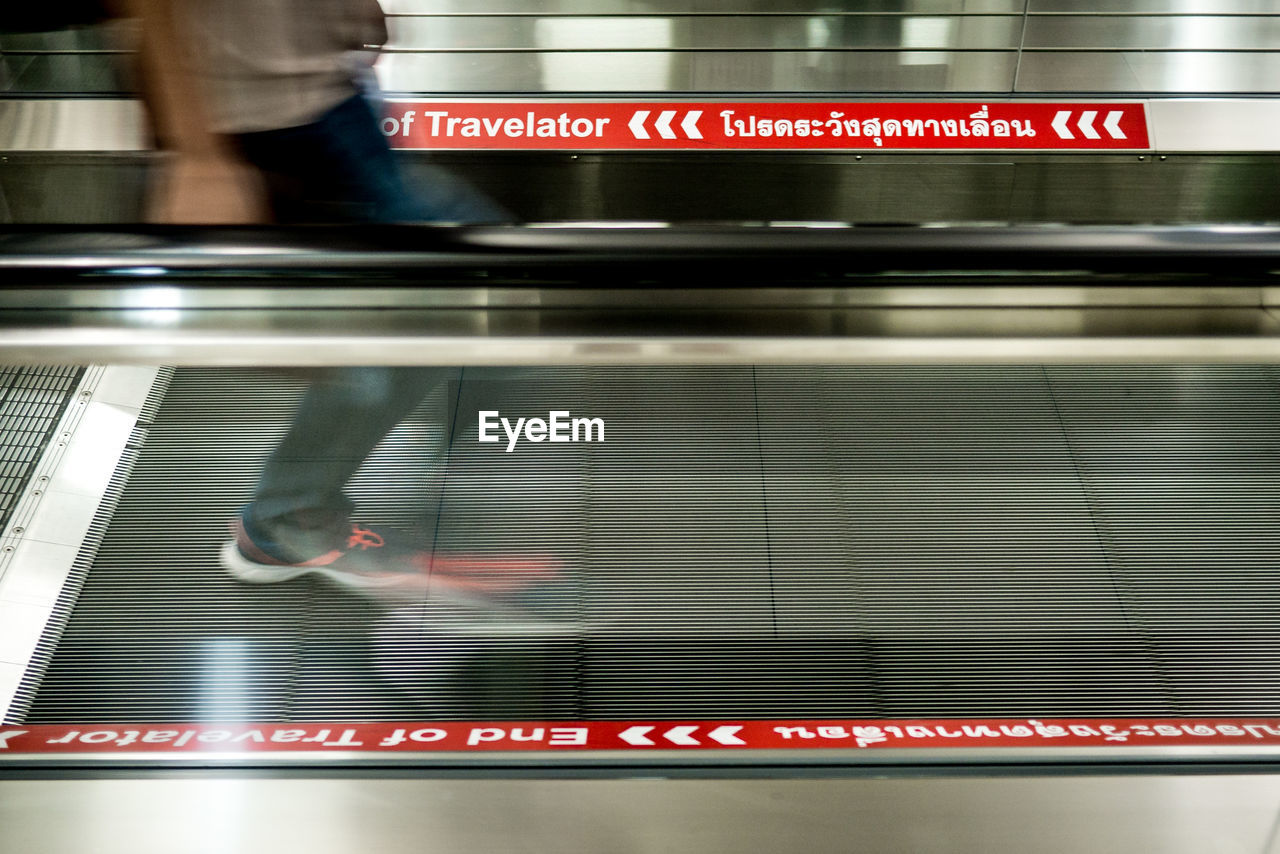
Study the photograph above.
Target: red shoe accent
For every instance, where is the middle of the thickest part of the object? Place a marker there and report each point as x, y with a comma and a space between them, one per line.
365, 539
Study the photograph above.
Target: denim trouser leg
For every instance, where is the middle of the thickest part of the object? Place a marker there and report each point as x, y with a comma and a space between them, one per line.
342, 416
340, 169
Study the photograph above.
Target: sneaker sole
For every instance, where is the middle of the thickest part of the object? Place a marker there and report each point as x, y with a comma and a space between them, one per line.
258, 573
390, 587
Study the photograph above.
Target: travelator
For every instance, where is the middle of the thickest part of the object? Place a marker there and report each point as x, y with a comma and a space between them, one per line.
899, 539
949, 538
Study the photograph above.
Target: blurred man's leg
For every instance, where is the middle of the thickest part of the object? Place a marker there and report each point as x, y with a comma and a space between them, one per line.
299, 510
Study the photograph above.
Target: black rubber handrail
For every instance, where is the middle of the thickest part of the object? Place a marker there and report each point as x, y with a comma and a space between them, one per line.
633, 252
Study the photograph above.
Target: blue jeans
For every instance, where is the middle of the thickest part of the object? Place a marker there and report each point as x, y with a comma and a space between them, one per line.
340, 169
342, 416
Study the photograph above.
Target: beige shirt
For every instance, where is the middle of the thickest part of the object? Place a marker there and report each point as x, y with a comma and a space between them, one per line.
271, 64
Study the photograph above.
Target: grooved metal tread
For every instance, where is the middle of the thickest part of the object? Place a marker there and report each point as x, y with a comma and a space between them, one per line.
746, 543
32, 400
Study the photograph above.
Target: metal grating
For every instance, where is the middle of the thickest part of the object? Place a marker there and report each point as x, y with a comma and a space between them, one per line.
70, 593
770, 542
32, 401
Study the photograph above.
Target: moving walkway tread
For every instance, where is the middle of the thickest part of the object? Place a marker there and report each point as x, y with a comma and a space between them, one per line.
771, 542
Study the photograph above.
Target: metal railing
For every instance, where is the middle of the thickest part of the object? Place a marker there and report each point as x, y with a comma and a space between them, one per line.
640, 295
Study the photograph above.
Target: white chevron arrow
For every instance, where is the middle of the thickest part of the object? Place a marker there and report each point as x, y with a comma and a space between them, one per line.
681, 735
637, 124
663, 124
635, 736
1086, 124
8, 734
690, 124
1112, 124
726, 735
1060, 124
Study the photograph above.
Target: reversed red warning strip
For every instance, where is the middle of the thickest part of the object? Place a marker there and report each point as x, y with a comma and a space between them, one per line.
469, 736
759, 126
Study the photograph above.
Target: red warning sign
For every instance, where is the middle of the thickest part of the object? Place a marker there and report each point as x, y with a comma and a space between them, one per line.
556, 736
760, 126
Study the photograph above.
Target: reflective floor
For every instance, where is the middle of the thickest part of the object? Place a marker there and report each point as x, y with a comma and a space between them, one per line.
744, 543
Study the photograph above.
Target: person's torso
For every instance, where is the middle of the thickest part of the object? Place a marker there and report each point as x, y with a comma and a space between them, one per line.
270, 64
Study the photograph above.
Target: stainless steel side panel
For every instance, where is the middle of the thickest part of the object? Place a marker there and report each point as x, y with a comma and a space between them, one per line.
721, 7
919, 47
69, 124
1153, 7
1232, 33
1029, 815
1203, 73
904, 335
1186, 126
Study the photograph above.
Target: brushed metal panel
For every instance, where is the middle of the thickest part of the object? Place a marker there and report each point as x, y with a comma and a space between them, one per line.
920, 70
438, 74
888, 336
9, 66
76, 188
1224, 189
1182, 32
704, 7
70, 74
548, 187
473, 32
883, 189
72, 124
1192, 73
69, 61
1190, 189
88, 38
776, 189
1161, 7
710, 32
1119, 189
1208, 125
1028, 815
